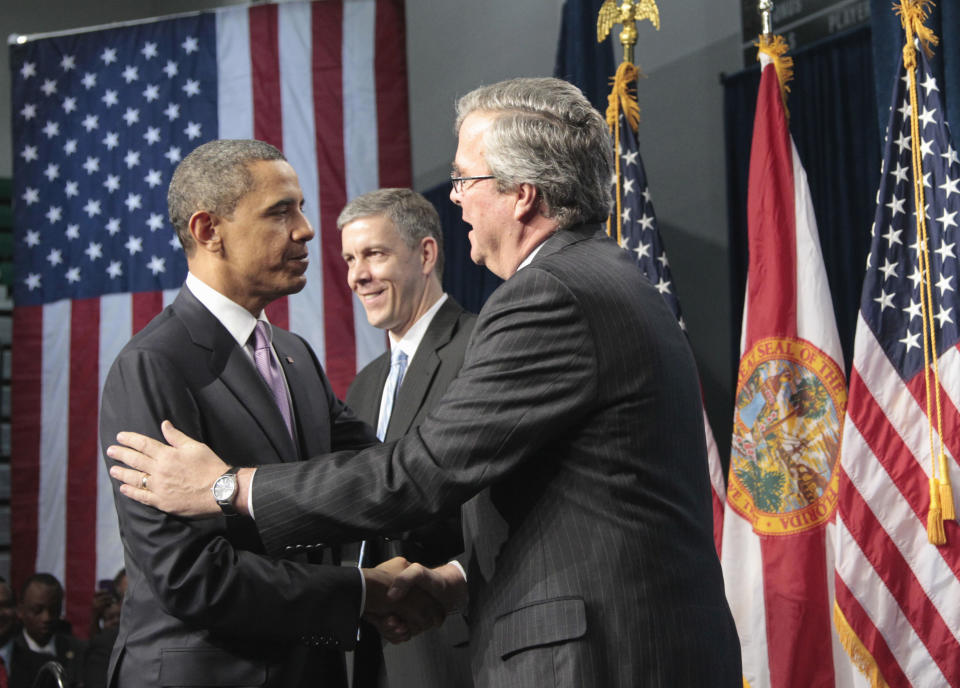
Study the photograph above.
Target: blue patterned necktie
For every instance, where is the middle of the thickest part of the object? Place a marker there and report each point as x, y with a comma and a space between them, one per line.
398, 366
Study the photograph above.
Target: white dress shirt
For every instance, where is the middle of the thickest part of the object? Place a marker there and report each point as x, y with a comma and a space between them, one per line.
240, 324
409, 343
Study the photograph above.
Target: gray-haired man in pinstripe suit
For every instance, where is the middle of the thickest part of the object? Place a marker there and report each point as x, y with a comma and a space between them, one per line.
592, 562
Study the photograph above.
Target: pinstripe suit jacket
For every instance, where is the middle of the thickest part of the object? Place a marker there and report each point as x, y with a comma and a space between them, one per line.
205, 606
432, 659
578, 404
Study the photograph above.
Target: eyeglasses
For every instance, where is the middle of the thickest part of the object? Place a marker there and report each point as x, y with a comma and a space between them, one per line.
458, 181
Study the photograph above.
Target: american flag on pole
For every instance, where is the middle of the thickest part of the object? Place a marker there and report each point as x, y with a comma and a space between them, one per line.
100, 119
789, 406
897, 595
639, 234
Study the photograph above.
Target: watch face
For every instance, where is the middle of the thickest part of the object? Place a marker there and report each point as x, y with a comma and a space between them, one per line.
224, 487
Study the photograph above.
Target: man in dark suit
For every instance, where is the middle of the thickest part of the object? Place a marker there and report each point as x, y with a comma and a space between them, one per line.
578, 405
41, 640
393, 245
204, 604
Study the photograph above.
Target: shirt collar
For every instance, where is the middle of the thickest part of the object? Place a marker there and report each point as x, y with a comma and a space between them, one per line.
234, 317
50, 648
410, 342
533, 254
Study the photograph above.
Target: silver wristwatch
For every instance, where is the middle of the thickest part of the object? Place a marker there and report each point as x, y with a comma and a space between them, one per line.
225, 491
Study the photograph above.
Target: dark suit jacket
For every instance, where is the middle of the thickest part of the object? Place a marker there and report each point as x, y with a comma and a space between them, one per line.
435, 365
431, 660
26, 664
204, 605
96, 658
578, 404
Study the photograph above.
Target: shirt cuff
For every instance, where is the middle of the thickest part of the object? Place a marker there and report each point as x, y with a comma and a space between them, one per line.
459, 568
250, 495
363, 592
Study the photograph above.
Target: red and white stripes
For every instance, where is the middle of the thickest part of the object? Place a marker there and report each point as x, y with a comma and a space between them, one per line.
325, 82
899, 594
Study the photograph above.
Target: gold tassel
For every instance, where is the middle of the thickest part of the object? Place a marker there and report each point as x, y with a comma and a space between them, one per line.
623, 97
858, 653
776, 48
935, 533
913, 14
946, 490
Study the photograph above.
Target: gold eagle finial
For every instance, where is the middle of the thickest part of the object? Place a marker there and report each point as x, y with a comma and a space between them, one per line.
628, 14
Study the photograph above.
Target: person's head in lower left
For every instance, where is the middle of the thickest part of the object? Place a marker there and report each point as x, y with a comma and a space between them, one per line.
41, 603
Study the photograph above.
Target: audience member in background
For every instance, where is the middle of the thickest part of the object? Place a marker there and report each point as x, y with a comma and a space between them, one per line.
104, 628
106, 604
39, 608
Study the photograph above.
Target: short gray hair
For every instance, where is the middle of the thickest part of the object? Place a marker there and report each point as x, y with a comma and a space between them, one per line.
413, 216
546, 133
213, 177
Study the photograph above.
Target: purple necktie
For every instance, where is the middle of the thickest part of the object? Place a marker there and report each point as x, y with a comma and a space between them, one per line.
270, 372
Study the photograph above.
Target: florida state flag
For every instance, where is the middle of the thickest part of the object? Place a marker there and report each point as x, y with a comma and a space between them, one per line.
791, 395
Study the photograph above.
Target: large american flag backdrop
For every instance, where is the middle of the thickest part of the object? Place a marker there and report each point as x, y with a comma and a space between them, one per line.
897, 595
100, 119
639, 234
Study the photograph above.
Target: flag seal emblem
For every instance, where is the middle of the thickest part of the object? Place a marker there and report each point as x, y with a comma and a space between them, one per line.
786, 440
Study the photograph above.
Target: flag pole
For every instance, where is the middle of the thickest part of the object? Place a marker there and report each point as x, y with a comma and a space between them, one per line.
765, 8
913, 14
775, 47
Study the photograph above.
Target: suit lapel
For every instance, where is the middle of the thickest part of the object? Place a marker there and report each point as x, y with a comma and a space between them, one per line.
371, 390
236, 371
417, 380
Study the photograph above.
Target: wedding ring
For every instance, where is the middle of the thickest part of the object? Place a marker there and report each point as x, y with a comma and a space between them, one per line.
143, 481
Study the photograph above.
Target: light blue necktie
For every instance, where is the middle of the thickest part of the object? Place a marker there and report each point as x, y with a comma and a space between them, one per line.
398, 366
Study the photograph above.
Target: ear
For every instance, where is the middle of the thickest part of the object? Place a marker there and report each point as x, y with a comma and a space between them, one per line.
428, 254
204, 227
528, 203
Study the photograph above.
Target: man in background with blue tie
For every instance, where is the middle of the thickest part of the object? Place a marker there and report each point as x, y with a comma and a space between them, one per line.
392, 243
205, 605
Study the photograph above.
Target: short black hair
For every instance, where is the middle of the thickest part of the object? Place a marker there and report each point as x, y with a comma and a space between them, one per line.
42, 579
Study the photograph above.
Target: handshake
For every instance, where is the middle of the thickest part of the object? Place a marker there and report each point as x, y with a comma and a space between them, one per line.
405, 599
